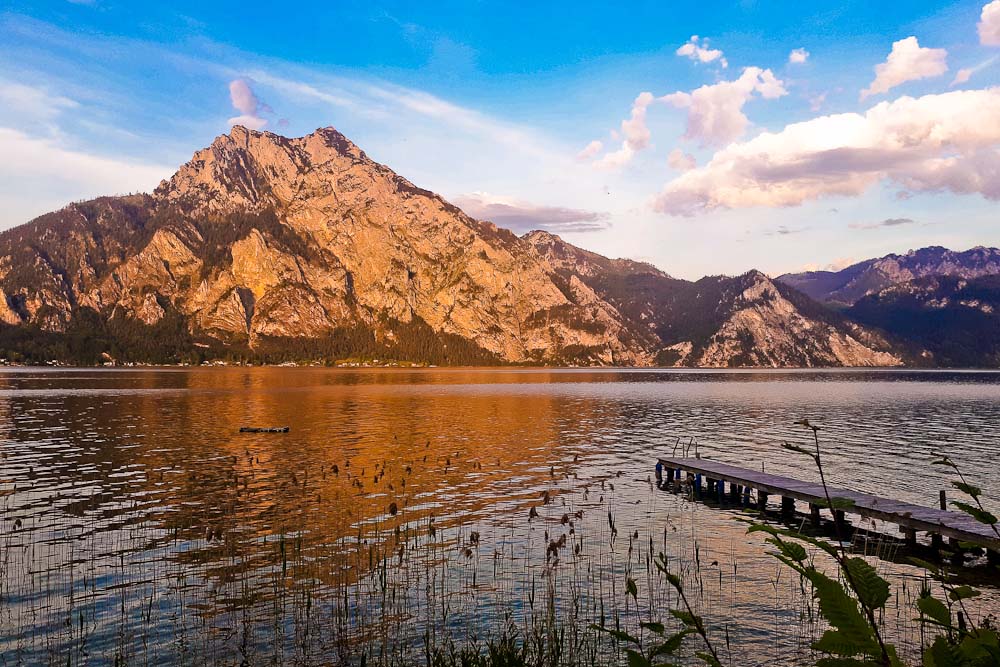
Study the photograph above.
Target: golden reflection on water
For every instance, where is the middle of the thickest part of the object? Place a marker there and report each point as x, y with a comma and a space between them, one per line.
148, 469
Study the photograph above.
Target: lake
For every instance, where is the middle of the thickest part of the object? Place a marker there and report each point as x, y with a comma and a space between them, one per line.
139, 526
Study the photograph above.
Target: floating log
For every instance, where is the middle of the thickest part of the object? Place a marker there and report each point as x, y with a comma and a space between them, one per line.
270, 429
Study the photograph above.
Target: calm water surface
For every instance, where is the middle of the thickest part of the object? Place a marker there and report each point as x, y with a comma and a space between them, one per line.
139, 526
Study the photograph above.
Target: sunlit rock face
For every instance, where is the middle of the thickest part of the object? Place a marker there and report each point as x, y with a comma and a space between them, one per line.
721, 321
261, 238
261, 235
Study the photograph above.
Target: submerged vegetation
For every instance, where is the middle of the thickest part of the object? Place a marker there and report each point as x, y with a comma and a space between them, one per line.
558, 580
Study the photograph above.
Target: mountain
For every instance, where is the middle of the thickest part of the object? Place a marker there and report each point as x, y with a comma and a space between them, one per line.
266, 248
721, 321
956, 320
847, 286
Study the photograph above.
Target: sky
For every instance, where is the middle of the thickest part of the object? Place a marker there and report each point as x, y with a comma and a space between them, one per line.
707, 138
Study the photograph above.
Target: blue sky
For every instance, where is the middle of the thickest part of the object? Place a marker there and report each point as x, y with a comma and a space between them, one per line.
768, 141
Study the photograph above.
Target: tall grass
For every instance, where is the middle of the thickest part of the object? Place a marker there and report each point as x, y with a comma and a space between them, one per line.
256, 577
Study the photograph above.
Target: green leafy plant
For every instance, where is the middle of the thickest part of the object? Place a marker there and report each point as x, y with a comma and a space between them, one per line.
850, 606
660, 650
960, 643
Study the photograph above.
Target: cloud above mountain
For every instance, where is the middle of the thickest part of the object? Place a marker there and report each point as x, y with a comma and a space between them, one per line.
888, 222
989, 24
715, 112
247, 103
908, 61
521, 216
944, 142
697, 49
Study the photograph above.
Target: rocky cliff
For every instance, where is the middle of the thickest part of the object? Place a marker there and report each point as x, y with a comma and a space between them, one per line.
721, 321
956, 321
267, 248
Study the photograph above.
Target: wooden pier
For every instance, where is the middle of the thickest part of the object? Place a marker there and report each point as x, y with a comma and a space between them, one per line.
957, 526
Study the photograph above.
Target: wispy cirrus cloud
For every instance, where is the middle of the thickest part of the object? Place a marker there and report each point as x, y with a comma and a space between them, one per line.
68, 174
963, 75
888, 222
521, 216
785, 230
30, 101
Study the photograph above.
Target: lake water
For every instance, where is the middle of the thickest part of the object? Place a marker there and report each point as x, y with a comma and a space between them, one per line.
140, 526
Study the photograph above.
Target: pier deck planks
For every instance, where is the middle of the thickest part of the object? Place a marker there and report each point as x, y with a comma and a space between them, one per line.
906, 515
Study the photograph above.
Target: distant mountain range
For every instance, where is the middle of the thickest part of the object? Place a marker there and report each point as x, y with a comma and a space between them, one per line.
847, 286
268, 249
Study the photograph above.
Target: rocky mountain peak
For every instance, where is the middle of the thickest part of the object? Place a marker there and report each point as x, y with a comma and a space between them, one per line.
271, 247
249, 169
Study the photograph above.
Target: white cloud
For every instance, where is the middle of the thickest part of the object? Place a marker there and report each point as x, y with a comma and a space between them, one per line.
697, 49
963, 75
636, 134
715, 112
944, 142
798, 56
590, 150
841, 263
617, 159
521, 216
989, 24
681, 161
634, 129
838, 264
39, 175
246, 102
908, 61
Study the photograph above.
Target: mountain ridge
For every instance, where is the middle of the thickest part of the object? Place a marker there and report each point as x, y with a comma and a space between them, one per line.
847, 286
267, 248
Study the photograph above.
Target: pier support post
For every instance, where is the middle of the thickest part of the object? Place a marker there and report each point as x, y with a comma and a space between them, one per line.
735, 491
911, 537
814, 514
787, 506
840, 523
993, 557
761, 500
937, 541
746, 496
697, 485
